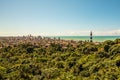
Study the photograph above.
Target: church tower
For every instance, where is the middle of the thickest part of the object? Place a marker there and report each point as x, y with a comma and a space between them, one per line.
91, 37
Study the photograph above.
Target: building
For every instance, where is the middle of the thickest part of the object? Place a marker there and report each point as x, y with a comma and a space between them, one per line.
91, 37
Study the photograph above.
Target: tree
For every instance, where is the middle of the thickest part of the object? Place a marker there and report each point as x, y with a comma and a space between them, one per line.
30, 49
115, 49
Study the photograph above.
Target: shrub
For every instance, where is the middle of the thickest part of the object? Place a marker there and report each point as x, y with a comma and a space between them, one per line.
106, 48
118, 63
115, 49
85, 73
109, 42
117, 41
101, 54
89, 48
41, 60
50, 73
60, 64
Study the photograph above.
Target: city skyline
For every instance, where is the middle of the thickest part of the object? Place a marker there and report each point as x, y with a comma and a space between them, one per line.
59, 17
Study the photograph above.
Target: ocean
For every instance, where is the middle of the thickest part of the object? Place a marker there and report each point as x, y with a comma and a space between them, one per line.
83, 38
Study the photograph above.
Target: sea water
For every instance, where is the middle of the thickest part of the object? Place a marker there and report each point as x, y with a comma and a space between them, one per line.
83, 38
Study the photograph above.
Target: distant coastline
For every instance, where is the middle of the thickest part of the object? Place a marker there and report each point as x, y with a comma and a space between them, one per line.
77, 38
86, 38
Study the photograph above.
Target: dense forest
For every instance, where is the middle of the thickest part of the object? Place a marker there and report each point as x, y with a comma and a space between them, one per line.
88, 61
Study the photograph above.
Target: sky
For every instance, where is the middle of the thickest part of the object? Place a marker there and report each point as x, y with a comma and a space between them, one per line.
59, 17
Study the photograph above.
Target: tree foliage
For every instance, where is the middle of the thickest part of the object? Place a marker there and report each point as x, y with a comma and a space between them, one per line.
87, 61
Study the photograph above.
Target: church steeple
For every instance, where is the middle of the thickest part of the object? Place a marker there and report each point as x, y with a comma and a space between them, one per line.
91, 36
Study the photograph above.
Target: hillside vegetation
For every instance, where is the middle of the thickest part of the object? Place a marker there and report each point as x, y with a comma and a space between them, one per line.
87, 61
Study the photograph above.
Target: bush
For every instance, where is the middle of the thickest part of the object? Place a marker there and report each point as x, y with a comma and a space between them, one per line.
41, 60
101, 54
71, 63
115, 49
118, 63
106, 48
89, 48
85, 73
50, 73
30, 49
117, 41
109, 42
87, 61
94, 69
60, 64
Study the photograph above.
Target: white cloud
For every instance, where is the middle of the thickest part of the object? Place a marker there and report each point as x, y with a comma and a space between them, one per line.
84, 33
69, 33
108, 33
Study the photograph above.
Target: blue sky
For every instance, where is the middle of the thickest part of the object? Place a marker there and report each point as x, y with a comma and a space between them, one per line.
59, 17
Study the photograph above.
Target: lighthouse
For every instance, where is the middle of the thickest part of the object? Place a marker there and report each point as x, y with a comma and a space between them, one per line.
91, 36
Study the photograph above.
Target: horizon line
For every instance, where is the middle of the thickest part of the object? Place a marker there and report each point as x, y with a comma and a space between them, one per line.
49, 35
